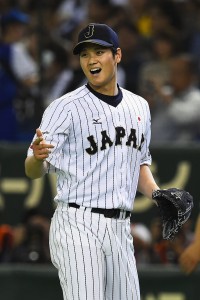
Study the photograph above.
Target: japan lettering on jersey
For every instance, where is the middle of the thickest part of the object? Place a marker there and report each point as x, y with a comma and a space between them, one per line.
98, 147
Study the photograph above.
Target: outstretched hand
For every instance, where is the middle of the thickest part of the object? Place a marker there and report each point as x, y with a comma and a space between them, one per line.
40, 147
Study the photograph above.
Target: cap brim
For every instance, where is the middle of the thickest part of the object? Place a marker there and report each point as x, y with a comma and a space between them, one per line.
79, 46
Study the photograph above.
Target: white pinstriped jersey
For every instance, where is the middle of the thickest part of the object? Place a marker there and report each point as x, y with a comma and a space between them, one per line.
98, 147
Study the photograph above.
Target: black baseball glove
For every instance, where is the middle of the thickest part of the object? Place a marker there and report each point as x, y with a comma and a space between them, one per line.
175, 206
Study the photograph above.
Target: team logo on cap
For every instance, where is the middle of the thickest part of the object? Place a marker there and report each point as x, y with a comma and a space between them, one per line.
90, 31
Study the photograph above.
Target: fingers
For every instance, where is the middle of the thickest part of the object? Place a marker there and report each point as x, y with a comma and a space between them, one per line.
41, 144
39, 138
38, 132
41, 149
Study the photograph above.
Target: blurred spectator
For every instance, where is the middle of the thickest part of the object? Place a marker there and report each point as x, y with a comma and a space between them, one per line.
31, 239
18, 72
139, 15
178, 118
159, 245
117, 16
155, 72
27, 242
142, 243
165, 17
60, 74
168, 252
132, 58
180, 242
99, 11
6, 243
68, 15
190, 14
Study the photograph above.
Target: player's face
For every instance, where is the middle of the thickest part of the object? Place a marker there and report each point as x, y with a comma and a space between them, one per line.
100, 67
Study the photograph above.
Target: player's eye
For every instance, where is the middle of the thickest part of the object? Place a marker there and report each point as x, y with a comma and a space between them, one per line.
100, 52
83, 54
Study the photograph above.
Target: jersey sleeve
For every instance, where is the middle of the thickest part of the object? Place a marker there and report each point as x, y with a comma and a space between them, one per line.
145, 152
55, 126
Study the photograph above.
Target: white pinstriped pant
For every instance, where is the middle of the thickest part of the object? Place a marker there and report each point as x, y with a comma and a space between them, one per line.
94, 255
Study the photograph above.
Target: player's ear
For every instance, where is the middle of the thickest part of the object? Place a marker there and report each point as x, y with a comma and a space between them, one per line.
118, 55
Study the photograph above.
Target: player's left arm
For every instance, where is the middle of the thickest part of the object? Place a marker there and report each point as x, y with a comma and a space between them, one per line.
146, 183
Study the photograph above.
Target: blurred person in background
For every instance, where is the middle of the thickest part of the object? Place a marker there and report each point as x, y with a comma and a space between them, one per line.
192, 25
181, 241
189, 11
152, 17
56, 74
28, 241
189, 259
158, 243
117, 16
6, 243
164, 251
132, 58
139, 16
165, 17
66, 16
154, 74
99, 11
178, 119
142, 243
161, 252
61, 75
18, 72
31, 238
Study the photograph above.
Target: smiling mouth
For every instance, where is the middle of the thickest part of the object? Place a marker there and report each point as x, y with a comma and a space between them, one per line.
95, 71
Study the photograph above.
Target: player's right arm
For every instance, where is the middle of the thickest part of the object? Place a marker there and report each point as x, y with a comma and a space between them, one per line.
36, 165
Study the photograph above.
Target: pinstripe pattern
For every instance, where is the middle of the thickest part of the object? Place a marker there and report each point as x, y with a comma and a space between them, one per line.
83, 251
108, 178
98, 151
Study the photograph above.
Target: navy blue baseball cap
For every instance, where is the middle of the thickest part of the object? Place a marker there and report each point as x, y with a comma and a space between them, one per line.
100, 34
14, 16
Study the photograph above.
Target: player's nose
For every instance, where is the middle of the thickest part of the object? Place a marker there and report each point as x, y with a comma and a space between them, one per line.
92, 59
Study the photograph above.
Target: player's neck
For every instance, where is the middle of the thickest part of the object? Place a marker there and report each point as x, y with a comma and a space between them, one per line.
105, 90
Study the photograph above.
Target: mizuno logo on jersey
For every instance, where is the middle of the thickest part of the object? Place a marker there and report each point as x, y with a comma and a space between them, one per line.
96, 121
119, 140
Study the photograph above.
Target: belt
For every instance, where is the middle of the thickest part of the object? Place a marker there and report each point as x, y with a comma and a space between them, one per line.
114, 213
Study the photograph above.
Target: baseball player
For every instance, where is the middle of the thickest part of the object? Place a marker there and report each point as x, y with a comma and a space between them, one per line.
96, 139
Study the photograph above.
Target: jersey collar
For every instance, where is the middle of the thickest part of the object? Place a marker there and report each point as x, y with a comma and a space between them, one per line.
111, 100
